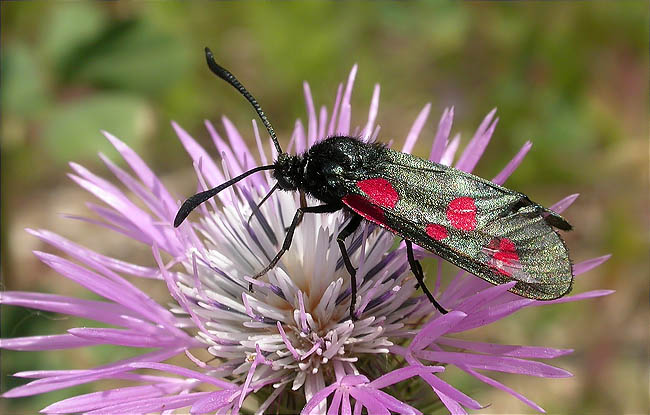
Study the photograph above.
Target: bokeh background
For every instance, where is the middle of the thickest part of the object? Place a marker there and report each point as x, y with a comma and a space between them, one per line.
571, 76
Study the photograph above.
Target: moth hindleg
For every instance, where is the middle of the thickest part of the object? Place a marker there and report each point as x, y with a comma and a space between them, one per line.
419, 275
347, 231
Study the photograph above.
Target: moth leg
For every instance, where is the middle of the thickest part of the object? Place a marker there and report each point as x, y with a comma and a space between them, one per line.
289, 236
303, 204
419, 275
342, 236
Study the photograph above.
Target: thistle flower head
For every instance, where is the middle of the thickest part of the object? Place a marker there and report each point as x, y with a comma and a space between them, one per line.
289, 344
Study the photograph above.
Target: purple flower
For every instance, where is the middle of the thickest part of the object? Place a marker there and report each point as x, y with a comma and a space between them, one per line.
288, 345
366, 393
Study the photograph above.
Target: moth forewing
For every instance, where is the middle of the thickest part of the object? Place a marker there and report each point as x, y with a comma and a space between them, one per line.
492, 232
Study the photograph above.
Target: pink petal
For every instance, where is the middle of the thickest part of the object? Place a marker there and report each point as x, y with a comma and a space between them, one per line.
258, 142
450, 396
63, 381
52, 342
318, 398
442, 135
492, 314
563, 204
353, 380
414, 133
122, 293
213, 401
504, 388
145, 174
151, 201
212, 174
447, 157
54, 380
345, 114
395, 405
286, 341
95, 179
88, 279
331, 129
238, 145
176, 293
258, 359
336, 403
484, 297
119, 337
401, 374
181, 371
151, 405
372, 114
159, 355
138, 218
95, 400
506, 349
224, 150
312, 123
589, 264
454, 407
358, 407
441, 387
496, 363
512, 164
578, 297
116, 222
366, 398
435, 328
105, 312
322, 123
477, 145
272, 397
346, 409
81, 252
298, 138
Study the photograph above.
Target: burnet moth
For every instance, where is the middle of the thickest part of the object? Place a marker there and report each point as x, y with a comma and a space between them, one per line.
495, 233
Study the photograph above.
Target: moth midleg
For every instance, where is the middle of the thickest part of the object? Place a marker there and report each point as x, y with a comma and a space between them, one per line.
297, 217
340, 239
419, 275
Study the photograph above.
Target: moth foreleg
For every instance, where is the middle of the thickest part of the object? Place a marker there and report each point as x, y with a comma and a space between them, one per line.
297, 217
419, 275
342, 236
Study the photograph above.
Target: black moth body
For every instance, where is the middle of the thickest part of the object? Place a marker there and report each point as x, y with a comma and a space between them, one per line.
495, 233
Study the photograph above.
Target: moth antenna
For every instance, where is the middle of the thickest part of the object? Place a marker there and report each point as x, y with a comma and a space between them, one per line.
193, 201
273, 189
224, 74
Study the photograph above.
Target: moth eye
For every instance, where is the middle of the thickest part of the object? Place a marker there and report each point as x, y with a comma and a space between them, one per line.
437, 232
379, 192
461, 213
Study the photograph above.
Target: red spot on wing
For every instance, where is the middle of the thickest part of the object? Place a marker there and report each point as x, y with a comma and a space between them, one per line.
437, 232
504, 257
379, 191
461, 213
366, 209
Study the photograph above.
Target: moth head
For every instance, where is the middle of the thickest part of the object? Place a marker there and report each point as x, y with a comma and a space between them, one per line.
289, 171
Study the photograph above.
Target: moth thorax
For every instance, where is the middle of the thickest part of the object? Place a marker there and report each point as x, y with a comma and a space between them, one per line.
289, 171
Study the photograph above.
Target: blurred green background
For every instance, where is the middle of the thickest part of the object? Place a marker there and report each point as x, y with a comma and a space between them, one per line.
571, 76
